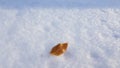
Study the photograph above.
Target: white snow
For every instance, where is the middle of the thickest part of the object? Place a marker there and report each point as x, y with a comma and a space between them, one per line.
27, 36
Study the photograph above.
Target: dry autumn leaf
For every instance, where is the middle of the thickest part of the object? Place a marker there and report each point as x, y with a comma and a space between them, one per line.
59, 49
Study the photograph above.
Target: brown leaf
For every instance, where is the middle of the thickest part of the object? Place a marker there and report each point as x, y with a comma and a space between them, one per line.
59, 49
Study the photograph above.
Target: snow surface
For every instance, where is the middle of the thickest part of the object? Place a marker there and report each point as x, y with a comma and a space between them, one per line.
27, 36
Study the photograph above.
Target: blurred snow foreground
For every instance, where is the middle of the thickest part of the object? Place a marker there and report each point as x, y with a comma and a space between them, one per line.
27, 36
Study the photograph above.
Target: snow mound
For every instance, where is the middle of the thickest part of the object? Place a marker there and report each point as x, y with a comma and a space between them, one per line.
27, 36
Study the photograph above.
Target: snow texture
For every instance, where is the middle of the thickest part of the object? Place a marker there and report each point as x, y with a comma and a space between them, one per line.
27, 36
